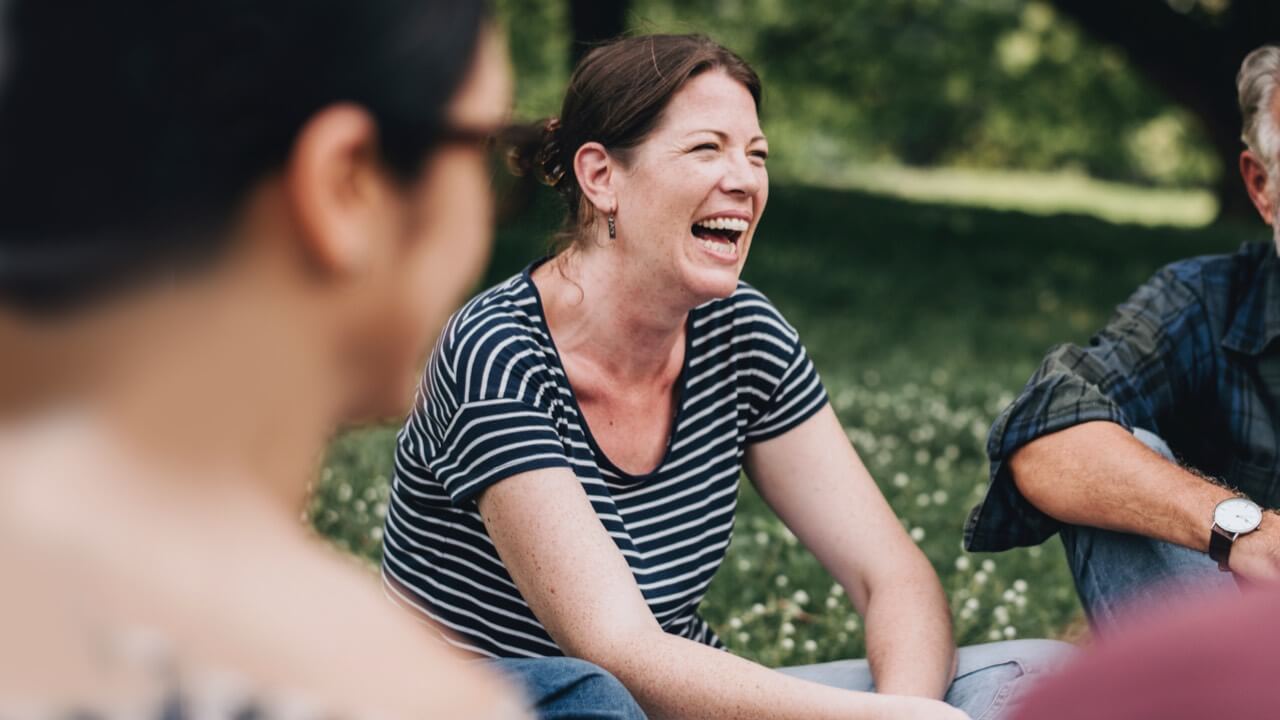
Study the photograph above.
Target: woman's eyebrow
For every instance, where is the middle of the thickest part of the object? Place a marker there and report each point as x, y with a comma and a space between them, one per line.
722, 135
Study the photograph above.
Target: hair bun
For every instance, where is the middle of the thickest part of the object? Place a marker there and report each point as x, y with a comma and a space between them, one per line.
535, 151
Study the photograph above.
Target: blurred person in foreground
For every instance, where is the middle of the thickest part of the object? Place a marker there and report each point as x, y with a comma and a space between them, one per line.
1155, 449
1207, 657
225, 228
567, 482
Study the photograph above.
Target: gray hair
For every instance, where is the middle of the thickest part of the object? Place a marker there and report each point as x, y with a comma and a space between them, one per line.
1256, 85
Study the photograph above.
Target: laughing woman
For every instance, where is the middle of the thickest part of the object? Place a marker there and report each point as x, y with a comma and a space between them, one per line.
567, 482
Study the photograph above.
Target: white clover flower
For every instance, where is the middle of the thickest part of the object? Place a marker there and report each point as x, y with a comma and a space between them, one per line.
922, 499
1010, 632
1020, 601
837, 590
800, 597
900, 480
966, 614
851, 624
810, 646
939, 497
757, 609
989, 565
980, 577
917, 534
744, 565
962, 563
788, 629
762, 537
1034, 551
972, 604
744, 638
1001, 614
788, 644
832, 603
1020, 585
994, 634
782, 581
922, 457
1009, 595
735, 623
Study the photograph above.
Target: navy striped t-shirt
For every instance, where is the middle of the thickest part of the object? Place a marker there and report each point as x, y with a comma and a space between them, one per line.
495, 402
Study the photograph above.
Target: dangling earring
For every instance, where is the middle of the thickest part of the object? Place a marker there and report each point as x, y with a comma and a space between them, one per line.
613, 228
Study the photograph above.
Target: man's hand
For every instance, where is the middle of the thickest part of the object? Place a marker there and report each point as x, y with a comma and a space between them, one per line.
1256, 556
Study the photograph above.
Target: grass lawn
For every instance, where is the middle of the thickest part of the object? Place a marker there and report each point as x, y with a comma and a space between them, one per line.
924, 320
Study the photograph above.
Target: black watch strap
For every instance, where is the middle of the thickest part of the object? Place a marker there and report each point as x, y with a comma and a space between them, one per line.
1220, 542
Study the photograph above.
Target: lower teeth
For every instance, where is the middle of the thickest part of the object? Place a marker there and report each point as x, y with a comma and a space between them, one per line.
718, 247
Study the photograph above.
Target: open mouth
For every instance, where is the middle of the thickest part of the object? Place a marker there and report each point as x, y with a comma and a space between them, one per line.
720, 235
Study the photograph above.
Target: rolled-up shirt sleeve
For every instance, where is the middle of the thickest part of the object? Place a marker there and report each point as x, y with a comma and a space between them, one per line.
1152, 359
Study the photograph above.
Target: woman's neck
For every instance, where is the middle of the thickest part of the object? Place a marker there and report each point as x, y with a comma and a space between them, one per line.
599, 313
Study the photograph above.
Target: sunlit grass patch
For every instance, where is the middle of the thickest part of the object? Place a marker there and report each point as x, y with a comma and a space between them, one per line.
1030, 192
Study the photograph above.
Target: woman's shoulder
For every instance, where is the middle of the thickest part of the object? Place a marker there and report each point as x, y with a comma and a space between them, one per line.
746, 315
498, 338
506, 315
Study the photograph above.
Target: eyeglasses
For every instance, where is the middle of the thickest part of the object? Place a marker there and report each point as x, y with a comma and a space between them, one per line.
513, 193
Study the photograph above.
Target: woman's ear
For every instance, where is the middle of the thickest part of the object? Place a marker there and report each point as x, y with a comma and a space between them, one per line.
337, 189
594, 168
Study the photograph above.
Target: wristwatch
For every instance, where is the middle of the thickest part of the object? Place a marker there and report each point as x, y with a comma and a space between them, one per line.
1232, 518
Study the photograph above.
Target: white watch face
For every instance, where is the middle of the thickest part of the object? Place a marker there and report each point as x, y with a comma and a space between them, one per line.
1237, 515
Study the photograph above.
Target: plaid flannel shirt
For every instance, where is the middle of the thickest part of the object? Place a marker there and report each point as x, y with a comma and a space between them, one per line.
1189, 357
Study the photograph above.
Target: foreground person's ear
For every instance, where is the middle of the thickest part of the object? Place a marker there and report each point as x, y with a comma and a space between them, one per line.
337, 189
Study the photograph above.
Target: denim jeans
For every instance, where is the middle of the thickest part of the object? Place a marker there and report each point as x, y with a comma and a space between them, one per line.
561, 688
1114, 570
990, 678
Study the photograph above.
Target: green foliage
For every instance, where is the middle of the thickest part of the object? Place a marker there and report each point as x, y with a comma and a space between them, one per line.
923, 320
979, 83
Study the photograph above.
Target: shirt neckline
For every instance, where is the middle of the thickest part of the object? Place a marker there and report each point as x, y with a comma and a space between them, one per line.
681, 385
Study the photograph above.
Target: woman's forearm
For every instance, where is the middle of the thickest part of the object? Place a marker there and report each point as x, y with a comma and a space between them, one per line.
909, 636
672, 677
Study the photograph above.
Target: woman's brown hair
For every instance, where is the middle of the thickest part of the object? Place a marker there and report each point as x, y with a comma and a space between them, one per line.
616, 97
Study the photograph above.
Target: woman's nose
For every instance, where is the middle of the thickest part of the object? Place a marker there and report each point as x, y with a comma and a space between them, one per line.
741, 176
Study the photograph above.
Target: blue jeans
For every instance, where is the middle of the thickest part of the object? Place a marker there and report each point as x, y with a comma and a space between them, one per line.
561, 688
1113, 570
990, 678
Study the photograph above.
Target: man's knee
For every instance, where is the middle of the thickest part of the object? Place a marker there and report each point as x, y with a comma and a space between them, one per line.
1155, 442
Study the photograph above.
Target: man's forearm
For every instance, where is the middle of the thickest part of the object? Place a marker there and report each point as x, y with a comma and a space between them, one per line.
1100, 475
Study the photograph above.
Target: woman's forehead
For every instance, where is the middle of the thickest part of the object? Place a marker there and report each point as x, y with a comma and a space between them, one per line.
713, 101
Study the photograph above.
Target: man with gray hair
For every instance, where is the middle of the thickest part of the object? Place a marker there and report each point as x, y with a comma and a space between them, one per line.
1154, 450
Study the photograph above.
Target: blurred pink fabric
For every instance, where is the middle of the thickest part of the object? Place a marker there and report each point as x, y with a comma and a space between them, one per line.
1215, 657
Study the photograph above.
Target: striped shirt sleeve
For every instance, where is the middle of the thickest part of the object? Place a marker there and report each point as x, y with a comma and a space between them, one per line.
488, 412
798, 393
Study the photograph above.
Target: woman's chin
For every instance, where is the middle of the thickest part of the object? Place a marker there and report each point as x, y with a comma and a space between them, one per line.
712, 283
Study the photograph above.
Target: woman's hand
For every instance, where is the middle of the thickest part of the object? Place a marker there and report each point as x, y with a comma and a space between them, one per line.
925, 709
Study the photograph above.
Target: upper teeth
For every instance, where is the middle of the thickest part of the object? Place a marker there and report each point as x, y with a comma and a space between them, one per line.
734, 224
